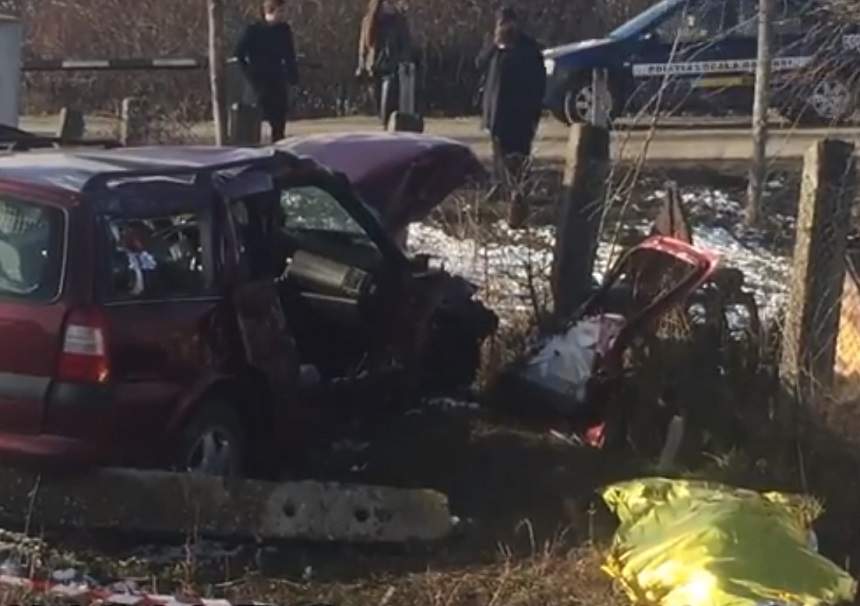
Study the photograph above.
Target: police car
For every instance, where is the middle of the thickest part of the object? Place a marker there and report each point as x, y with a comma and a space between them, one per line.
699, 57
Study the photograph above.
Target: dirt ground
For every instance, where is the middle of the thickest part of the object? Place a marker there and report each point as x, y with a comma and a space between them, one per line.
526, 503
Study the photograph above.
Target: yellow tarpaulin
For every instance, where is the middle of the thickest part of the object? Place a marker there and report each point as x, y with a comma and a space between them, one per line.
687, 543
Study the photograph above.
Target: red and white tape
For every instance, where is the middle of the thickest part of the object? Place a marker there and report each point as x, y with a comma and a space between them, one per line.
86, 594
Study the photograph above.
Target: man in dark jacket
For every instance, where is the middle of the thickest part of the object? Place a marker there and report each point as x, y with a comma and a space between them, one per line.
267, 55
514, 88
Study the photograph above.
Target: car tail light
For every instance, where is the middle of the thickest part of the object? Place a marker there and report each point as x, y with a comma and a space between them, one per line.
84, 358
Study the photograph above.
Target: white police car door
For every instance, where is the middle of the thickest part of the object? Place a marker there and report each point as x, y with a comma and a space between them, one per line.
688, 55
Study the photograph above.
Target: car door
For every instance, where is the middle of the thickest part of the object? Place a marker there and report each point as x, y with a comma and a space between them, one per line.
159, 290
682, 59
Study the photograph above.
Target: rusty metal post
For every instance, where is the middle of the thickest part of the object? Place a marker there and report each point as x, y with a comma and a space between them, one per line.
812, 321
245, 123
135, 123
579, 216
70, 126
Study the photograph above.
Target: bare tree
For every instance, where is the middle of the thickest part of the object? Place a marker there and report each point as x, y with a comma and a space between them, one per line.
758, 169
216, 69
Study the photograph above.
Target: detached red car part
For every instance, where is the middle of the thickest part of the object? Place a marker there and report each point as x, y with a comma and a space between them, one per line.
575, 372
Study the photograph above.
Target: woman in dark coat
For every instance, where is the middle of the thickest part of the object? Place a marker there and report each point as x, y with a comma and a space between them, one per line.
515, 82
267, 55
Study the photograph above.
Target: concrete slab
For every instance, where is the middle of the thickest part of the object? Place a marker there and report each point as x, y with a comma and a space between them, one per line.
163, 503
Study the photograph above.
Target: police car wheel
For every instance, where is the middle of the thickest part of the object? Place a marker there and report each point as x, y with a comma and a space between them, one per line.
578, 102
832, 101
828, 102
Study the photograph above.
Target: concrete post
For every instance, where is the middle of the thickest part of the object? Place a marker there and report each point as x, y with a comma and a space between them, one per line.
601, 108
403, 122
245, 124
812, 321
135, 125
579, 216
406, 73
71, 125
11, 37
178, 504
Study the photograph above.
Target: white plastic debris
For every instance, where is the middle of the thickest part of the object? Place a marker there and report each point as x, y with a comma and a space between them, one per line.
566, 362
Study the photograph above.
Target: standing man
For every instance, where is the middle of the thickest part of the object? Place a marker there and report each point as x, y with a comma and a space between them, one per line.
268, 58
515, 82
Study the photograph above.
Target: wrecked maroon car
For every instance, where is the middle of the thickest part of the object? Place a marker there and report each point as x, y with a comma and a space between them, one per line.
202, 308
577, 371
402, 176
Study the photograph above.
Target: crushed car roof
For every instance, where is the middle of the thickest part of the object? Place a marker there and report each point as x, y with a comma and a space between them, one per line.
70, 170
403, 176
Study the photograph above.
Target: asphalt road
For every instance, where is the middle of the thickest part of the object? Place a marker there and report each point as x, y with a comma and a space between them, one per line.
712, 142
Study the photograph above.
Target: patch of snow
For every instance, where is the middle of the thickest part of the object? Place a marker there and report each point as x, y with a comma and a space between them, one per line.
504, 263
766, 273
501, 266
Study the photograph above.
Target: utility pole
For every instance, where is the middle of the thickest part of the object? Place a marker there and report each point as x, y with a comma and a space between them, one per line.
758, 168
216, 69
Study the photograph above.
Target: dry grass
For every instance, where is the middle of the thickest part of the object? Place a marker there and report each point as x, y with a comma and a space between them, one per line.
554, 576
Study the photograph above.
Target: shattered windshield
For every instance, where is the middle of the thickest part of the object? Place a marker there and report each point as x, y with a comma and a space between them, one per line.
314, 209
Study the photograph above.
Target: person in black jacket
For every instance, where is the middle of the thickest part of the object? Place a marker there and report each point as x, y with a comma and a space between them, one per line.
515, 82
267, 55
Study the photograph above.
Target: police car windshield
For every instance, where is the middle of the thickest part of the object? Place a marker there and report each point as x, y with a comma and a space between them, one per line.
643, 21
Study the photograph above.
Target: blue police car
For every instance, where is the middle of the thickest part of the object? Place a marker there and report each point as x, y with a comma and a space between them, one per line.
699, 57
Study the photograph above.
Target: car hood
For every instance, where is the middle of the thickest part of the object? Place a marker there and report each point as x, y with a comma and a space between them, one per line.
574, 47
402, 176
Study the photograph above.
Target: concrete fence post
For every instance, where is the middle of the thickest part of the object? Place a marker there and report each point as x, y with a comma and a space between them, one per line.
135, 124
406, 73
581, 208
812, 320
245, 123
601, 106
70, 126
406, 118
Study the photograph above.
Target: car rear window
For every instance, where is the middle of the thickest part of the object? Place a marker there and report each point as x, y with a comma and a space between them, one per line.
31, 250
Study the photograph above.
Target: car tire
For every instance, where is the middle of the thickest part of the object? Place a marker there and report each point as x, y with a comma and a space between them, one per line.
577, 101
830, 102
213, 442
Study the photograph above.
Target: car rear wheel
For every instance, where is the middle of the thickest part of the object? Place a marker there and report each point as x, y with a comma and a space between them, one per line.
578, 101
830, 102
213, 442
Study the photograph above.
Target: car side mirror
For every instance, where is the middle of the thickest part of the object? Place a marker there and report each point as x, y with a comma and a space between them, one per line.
647, 37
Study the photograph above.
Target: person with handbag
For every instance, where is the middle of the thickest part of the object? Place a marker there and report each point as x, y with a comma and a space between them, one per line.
384, 43
512, 104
